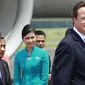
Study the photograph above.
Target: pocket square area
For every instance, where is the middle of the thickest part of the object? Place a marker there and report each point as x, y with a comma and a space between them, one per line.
37, 57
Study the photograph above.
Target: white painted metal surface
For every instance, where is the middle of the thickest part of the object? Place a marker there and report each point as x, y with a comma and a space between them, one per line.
53, 8
17, 14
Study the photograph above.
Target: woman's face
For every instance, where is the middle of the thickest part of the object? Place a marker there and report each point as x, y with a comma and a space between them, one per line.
30, 40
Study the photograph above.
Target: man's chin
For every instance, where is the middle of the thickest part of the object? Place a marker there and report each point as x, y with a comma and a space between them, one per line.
1, 56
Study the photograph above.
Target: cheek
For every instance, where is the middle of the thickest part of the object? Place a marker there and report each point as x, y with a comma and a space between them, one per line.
78, 24
34, 39
83, 22
77, 21
25, 42
44, 43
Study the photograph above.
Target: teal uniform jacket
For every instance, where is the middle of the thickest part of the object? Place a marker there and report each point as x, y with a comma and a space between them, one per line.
33, 69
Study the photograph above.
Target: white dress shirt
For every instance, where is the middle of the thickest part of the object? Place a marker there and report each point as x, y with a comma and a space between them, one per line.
81, 35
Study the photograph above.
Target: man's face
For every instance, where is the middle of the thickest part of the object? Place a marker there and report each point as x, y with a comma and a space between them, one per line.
2, 47
40, 41
79, 22
30, 40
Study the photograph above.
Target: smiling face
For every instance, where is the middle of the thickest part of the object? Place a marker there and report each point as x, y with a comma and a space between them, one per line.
79, 22
2, 47
30, 40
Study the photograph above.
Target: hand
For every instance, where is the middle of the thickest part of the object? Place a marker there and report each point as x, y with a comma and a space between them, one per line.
49, 77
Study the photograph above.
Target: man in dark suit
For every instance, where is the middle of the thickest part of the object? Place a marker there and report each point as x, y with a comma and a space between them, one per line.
69, 61
5, 78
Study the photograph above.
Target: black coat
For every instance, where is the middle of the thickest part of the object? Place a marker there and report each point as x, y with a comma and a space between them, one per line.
4, 70
69, 61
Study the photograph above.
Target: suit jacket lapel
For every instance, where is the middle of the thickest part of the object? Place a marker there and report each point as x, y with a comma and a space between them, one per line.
78, 41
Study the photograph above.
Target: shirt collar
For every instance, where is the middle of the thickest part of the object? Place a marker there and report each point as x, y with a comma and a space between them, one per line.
81, 35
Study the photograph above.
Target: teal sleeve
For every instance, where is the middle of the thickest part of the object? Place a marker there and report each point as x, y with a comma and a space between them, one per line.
17, 72
45, 69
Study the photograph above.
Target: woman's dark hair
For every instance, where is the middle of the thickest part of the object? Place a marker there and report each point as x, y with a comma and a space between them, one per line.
27, 29
76, 7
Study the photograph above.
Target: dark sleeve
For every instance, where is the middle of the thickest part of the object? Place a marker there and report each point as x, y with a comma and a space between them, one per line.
7, 73
62, 65
49, 65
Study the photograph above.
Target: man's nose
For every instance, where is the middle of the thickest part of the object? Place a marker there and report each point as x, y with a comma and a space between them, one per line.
40, 42
2, 49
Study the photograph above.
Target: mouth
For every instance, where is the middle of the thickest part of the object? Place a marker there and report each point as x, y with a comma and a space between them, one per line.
1, 54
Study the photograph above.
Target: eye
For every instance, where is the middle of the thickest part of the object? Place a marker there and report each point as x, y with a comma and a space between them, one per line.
32, 37
82, 17
27, 38
3, 45
43, 41
40, 41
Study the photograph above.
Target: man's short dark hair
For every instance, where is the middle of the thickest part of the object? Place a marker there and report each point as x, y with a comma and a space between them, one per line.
76, 7
39, 32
